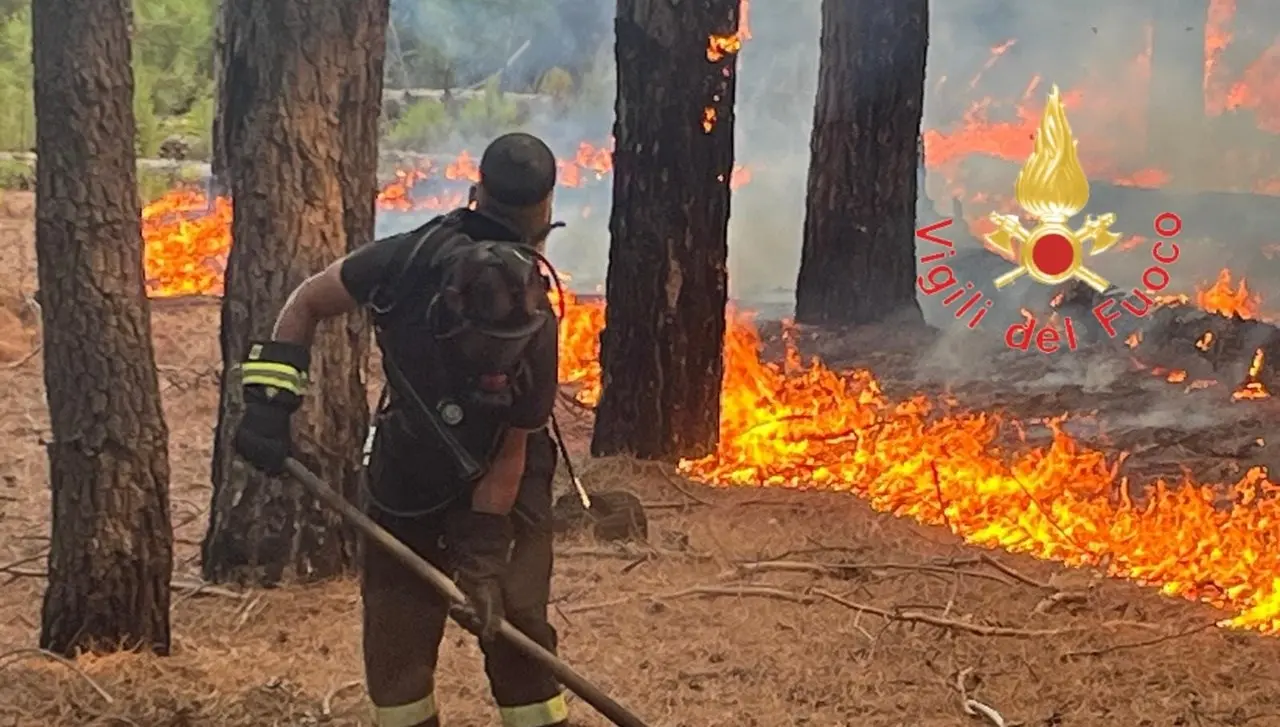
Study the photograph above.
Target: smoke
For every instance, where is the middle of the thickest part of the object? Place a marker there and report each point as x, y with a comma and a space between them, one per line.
1095, 55
777, 77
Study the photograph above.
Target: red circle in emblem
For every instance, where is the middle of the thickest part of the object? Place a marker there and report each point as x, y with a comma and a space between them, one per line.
1053, 254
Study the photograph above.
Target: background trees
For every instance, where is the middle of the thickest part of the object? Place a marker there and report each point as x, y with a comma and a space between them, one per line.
667, 286
112, 546
858, 263
302, 84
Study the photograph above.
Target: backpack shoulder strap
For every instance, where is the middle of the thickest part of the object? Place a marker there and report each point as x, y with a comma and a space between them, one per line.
387, 298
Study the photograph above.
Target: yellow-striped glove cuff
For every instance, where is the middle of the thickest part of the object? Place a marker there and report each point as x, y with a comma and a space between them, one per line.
277, 367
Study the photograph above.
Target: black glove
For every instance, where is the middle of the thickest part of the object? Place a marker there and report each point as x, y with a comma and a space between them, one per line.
480, 545
274, 379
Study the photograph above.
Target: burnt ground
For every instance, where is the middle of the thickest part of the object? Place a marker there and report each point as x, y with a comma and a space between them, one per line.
746, 607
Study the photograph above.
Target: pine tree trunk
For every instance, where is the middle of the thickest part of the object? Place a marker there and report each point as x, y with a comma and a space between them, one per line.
297, 96
112, 544
858, 264
667, 286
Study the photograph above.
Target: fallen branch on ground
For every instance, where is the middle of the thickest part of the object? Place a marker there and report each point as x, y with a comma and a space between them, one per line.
1017, 576
973, 707
758, 591
627, 551
945, 623
191, 589
671, 480
849, 569
9, 567
326, 706
29, 355
10, 658
1140, 644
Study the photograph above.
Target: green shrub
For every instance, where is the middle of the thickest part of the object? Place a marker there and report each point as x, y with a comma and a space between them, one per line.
173, 40
149, 135
17, 174
490, 113
17, 105
423, 125
195, 127
556, 82
172, 64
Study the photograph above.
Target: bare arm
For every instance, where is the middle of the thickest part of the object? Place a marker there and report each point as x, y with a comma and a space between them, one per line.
318, 298
496, 492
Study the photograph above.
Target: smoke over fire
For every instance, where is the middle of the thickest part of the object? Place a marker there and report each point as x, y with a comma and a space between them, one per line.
799, 424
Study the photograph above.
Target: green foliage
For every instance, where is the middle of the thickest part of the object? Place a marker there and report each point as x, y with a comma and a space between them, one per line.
556, 82
490, 113
423, 125
195, 127
173, 71
444, 43
17, 174
429, 124
17, 105
173, 42
148, 139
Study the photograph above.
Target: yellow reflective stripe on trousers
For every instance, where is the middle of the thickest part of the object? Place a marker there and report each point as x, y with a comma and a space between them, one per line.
542, 714
407, 715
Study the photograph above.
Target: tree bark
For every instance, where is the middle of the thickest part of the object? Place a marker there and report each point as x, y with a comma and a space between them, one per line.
111, 549
300, 88
667, 284
857, 264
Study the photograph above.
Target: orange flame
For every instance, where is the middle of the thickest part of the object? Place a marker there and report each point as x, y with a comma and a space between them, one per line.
1224, 300
1253, 388
187, 241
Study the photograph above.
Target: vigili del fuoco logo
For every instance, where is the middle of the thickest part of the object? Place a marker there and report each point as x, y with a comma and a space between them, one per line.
1051, 189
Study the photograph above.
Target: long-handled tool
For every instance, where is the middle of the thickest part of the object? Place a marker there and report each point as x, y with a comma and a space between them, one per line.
591, 694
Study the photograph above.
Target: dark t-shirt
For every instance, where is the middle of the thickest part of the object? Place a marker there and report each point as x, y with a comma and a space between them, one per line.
378, 264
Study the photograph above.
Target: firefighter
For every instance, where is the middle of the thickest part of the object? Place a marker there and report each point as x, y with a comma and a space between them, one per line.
461, 463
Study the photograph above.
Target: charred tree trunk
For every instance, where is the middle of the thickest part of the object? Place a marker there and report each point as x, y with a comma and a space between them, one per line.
296, 98
1175, 112
858, 261
667, 284
111, 550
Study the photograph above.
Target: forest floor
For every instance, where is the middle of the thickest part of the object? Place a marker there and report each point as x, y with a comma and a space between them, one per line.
699, 628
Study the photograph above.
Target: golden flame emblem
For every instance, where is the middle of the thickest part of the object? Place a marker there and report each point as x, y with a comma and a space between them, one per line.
1051, 189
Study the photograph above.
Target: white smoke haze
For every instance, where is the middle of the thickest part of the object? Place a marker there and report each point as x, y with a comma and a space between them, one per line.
777, 76
1096, 54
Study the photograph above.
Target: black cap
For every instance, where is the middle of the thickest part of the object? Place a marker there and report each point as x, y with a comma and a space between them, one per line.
518, 169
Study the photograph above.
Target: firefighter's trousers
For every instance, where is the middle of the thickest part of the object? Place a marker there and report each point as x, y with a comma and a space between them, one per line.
404, 618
